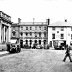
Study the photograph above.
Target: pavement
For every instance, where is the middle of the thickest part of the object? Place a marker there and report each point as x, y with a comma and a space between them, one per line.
35, 60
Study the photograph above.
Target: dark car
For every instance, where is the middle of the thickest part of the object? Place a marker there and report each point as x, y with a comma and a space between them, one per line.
46, 46
13, 46
34, 46
60, 47
26, 46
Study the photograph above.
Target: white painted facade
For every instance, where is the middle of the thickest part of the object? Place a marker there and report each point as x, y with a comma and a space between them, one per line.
66, 32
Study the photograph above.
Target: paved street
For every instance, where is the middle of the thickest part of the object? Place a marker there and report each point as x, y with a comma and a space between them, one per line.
35, 60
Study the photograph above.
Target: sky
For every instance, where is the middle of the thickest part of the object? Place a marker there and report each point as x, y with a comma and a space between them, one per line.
40, 10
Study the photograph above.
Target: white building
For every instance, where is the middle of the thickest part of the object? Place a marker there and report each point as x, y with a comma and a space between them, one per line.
5, 27
60, 33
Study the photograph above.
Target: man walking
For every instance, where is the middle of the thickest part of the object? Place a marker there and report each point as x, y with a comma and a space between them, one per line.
67, 54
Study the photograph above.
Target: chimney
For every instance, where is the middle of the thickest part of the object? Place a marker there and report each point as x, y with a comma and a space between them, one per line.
19, 20
65, 20
48, 21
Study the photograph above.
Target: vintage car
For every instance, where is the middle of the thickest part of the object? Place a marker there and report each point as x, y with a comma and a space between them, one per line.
39, 46
13, 46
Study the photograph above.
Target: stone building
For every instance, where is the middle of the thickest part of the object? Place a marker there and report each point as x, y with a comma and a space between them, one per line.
5, 27
32, 32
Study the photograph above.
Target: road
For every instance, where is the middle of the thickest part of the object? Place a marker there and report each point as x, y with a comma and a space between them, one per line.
35, 60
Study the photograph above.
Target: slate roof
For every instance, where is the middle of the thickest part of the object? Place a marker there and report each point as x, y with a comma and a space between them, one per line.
60, 23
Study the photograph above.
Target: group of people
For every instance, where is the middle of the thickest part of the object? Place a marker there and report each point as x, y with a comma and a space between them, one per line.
67, 54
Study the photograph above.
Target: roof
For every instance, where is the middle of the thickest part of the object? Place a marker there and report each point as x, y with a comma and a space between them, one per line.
60, 23
33, 23
5, 13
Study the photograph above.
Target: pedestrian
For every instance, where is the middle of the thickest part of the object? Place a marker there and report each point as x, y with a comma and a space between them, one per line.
67, 53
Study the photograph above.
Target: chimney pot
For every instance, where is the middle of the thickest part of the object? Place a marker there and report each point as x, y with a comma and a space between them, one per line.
48, 21
19, 20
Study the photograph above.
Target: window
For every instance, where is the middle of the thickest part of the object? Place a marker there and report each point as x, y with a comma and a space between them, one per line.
40, 27
44, 42
26, 33
35, 34
26, 28
40, 42
40, 34
71, 28
14, 33
21, 27
30, 28
57, 31
30, 42
21, 33
45, 28
53, 28
35, 27
45, 34
62, 28
53, 36
62, 36
26, 41
30, 33
71, 36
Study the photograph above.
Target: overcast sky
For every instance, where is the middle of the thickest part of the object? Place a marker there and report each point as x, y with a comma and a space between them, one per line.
56, 10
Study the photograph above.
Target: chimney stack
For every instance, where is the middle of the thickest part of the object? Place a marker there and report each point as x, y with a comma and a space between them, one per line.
65, 20
19, 20
48, 21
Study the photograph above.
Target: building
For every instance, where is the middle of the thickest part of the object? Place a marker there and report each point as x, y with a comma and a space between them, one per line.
5, 27
32, 32
60, 33
15, 31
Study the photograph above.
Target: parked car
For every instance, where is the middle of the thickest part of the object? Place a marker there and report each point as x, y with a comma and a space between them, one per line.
60, 47
34, 46
39, 46
46, 46
26, 46
13, 46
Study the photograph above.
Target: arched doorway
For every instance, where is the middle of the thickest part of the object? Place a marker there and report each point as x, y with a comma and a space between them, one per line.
30, 43
44, 42
39, 42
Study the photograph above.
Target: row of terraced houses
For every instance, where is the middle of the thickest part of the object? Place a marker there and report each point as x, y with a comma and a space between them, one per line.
35, 32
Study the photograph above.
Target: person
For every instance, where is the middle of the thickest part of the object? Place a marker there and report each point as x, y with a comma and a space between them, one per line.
67, 53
